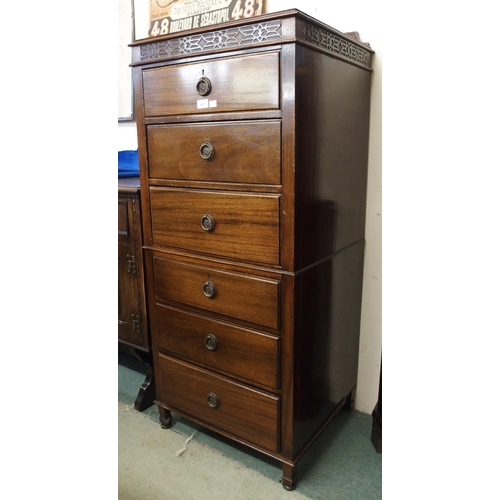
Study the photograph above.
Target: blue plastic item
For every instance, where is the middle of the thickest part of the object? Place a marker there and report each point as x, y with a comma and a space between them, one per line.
128, 163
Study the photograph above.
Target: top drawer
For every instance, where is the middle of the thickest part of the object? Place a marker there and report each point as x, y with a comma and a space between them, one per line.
232, 84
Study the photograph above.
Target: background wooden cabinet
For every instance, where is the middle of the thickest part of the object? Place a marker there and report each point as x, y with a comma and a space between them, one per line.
133, 331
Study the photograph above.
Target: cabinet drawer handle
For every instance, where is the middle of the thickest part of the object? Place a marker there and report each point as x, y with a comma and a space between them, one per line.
211, 342
208, 223
207, 151
213, 400
209, 289
204, 86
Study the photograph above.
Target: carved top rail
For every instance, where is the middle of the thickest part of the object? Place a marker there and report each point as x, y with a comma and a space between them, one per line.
268, 29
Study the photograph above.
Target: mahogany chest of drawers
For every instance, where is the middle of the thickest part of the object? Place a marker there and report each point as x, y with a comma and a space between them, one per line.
253, 146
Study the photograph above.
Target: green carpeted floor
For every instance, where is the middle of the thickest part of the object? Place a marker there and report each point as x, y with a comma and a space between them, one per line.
155, 463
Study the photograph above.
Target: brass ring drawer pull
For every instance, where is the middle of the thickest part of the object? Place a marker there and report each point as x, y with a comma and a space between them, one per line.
207, 151
211, 342
213, 400
208, 223
204, 86
209, 289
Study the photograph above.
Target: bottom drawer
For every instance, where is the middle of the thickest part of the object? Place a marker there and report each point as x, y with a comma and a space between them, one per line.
242, 411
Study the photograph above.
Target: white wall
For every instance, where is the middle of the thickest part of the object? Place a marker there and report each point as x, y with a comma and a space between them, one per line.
365, 17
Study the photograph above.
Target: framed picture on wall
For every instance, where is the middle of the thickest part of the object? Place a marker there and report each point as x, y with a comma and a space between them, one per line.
172, 16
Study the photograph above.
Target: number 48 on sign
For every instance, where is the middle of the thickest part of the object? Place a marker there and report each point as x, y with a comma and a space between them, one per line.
247, 10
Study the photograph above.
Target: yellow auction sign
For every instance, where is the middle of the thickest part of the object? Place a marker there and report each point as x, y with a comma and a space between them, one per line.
172, 16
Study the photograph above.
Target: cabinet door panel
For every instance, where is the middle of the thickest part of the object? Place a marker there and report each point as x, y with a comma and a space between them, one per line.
132, 321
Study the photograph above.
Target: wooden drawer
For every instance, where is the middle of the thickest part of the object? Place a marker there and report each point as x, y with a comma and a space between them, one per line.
242, 411
240, 352
246, 152
246, 225
237, 84
237, 295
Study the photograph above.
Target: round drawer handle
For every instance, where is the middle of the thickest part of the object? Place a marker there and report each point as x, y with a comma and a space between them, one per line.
211, 342
209, 289
204, 86
213, 400
207, 151
208, 223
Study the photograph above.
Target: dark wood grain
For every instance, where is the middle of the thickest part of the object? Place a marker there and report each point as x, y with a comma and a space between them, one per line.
133, 328
286, 189
328, 303
238, 295
123, 223
239, 83
332, 100
245, 354
132, 313
246, 225
244, 411
246, 152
